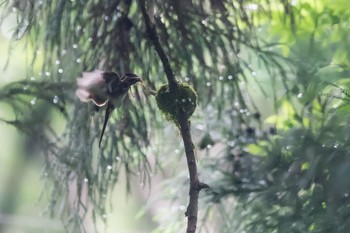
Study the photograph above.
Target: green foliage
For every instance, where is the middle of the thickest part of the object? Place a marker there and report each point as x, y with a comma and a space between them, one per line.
295, 181
182, 100
301, 186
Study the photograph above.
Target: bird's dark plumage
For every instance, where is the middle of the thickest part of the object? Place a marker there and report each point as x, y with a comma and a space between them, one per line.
105, 88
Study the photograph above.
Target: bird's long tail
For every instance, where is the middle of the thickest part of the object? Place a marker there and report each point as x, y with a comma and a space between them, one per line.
109, 109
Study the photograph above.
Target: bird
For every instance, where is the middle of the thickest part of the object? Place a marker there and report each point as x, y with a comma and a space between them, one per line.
105, 89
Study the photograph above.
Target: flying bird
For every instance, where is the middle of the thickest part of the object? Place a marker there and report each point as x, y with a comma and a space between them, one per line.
105, 89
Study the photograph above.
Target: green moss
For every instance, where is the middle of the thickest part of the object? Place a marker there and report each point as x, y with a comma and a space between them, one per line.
182, 98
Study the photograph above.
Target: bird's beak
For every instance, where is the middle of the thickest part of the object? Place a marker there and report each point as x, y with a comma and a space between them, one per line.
139, 80
135, 80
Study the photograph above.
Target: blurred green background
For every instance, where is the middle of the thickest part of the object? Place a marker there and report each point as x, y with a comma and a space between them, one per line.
22, 207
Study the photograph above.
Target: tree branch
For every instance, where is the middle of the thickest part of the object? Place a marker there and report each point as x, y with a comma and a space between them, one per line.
184, 125
195, 186
153, 36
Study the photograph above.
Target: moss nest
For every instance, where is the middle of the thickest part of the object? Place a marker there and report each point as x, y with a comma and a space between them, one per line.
182, 98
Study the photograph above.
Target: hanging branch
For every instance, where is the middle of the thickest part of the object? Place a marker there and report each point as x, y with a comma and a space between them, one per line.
152, 33
184, 126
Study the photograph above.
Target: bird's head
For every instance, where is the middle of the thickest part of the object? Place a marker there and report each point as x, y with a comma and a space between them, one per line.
129, 79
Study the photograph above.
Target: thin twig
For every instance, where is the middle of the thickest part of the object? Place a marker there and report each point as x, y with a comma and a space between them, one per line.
184, 123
